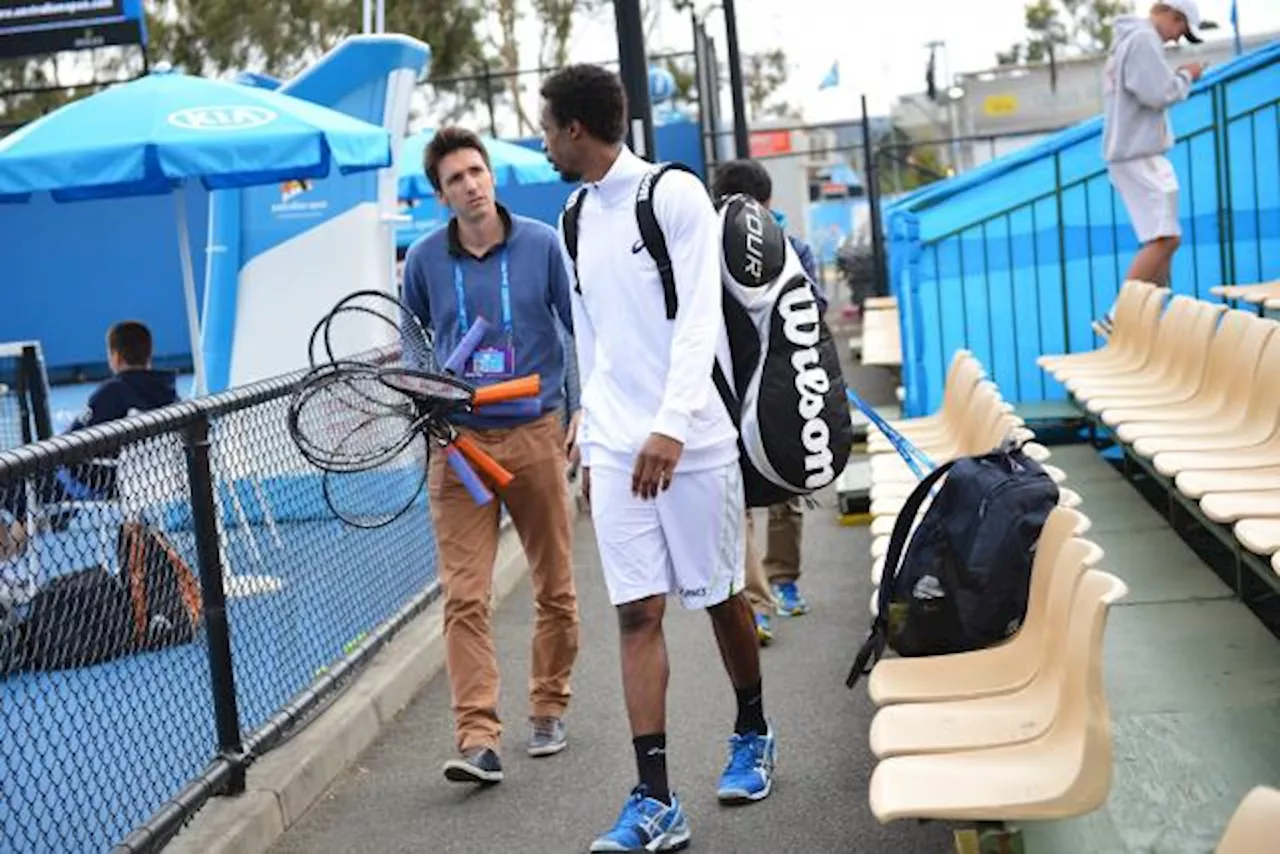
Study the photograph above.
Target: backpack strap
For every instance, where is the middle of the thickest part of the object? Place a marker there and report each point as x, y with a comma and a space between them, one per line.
569, 226
871, 651
651, 232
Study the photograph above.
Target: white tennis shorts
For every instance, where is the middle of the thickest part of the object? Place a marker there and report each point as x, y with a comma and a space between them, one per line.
1149, 188
688, 541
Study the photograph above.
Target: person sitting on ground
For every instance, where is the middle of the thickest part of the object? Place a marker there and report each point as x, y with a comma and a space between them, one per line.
771, 585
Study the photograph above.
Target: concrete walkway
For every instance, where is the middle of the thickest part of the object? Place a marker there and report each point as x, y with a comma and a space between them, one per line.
395, 799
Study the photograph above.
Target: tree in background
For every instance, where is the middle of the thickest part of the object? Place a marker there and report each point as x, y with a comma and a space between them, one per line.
904, 165
215, 37
1058, 29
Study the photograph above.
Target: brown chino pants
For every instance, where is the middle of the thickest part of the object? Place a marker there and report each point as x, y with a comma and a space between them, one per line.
782, 554
467, 540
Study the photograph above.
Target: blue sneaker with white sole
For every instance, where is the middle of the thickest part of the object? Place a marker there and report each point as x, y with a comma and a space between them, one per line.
646, 824
749, 774
790, 602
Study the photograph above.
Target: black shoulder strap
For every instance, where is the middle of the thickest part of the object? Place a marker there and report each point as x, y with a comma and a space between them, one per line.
874, 647
569, 225
651, 231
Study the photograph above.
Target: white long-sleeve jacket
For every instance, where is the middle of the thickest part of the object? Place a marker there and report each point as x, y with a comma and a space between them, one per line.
640, 372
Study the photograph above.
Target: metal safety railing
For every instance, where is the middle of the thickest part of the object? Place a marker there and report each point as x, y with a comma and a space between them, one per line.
1030, 277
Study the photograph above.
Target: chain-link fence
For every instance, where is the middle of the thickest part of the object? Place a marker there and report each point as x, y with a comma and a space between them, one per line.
175, 595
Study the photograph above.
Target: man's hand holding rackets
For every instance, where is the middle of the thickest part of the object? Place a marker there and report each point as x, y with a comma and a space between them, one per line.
655, 466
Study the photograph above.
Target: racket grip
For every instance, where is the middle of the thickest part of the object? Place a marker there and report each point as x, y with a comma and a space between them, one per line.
528, 407
474, 485
491, 468
530, 386
466, 346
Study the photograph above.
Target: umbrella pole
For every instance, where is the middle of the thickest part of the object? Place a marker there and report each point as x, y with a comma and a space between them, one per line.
189, 289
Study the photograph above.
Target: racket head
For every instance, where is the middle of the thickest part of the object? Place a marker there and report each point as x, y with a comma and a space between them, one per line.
374, 327
377, 496
343, 418
436, 392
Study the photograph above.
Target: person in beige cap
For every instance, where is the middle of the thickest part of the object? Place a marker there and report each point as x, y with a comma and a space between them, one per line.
1138, 88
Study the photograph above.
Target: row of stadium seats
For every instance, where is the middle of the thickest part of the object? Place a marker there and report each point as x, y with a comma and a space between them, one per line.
1020, 731
1188, 387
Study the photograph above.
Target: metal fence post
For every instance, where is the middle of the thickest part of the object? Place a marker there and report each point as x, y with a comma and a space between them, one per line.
1062, 251
217, 629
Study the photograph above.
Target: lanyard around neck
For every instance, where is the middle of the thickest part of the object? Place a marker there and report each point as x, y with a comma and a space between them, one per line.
461, 291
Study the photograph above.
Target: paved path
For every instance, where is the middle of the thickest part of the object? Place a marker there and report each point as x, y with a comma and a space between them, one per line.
395, 799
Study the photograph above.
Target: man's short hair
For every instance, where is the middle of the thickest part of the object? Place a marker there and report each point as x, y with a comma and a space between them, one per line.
590, 95
131, 341
445, 142
743, 176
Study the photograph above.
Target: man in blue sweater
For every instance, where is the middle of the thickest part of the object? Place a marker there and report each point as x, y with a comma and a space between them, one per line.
771, 584
507, 269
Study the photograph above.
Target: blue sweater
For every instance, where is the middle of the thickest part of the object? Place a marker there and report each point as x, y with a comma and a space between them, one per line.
539, 290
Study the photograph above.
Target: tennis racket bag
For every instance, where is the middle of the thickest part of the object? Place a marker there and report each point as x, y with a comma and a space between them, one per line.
94, 615
777, 371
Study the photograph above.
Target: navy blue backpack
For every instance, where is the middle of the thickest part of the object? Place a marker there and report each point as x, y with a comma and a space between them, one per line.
962, 581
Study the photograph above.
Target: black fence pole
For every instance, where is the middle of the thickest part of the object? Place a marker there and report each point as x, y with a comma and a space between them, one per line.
217, 629
488, 97
741, 142
633, 68
871, 177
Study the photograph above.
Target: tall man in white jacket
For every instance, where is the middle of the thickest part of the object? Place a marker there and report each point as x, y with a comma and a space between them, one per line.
659, 451
1137, 90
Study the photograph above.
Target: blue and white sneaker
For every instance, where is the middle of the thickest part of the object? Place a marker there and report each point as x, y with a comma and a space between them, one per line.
749, 774
646, 824
790, 602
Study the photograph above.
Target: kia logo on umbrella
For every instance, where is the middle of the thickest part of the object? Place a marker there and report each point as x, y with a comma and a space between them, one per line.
222, 118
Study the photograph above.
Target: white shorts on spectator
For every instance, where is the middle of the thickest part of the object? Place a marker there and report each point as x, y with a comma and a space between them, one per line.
1149, 188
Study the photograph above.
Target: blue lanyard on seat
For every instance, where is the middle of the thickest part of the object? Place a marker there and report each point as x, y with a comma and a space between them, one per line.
463, 325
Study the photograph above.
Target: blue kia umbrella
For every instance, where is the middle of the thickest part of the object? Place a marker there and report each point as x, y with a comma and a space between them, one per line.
152, 135
511, 164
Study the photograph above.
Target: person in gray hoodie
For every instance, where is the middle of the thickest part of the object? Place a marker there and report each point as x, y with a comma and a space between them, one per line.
1138, 88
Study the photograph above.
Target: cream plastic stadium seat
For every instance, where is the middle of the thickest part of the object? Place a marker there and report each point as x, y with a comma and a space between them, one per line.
1260, 536
1259, 456
1225, 406
1228, 507
1254, 827
1170, 338
957, 401
1197, 483
1179, 383
1207, 390
1129, 302
980, 438
1064, 772
986, 722
1009, 666
982, 406
1254, 294
1135, 356
954, 393
1250, 428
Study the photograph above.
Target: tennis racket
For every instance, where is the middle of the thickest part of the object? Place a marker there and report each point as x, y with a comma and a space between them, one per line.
368, 419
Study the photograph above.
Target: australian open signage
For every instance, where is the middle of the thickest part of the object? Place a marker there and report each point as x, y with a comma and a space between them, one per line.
33, 27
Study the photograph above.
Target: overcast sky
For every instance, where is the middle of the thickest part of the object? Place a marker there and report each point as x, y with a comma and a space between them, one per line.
879, 43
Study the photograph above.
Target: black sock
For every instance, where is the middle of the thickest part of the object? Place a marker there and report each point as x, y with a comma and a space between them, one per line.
651, 761
750, 711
